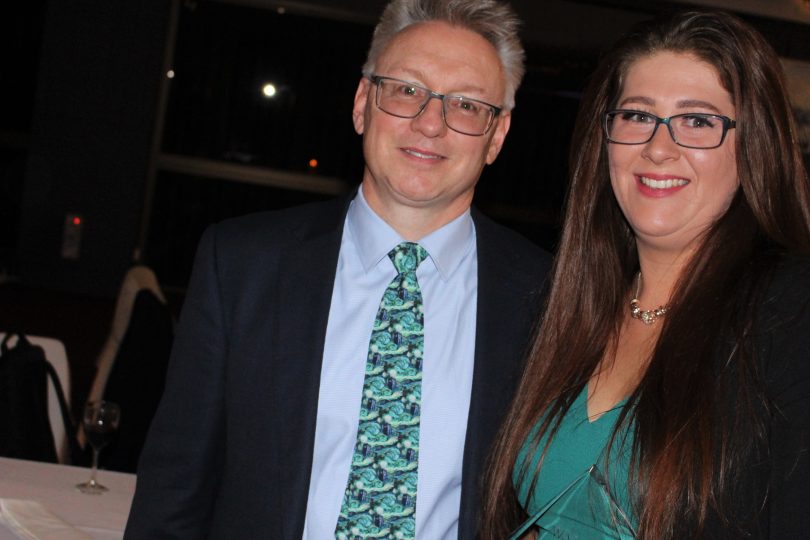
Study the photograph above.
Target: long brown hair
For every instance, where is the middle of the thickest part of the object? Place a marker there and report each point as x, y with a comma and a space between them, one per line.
688, 443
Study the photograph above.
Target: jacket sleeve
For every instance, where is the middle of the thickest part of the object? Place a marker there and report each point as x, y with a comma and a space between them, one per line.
788, 383
182, 460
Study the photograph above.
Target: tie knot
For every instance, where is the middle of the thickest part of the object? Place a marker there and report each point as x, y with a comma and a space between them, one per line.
407, 256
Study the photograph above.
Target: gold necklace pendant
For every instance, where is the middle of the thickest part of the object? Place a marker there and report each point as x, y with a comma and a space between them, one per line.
647, 316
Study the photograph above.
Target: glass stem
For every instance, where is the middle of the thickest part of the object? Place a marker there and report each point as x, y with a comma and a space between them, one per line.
94, 468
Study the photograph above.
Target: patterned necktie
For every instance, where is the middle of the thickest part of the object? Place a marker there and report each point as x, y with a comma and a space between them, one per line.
380, 497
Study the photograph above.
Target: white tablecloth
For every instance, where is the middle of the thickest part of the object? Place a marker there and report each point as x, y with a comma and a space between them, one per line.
54, 486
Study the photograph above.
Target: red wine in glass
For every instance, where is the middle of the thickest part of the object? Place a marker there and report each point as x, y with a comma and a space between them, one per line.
100, 421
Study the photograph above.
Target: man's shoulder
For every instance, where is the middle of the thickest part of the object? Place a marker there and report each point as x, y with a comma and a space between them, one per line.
496, 240
282, 226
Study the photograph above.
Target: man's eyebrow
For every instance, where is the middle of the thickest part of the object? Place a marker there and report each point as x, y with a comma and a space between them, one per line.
419, 76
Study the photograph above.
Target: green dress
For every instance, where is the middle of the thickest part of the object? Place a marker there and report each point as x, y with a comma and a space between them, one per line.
578, 494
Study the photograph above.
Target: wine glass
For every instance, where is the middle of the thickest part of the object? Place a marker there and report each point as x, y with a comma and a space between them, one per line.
100, 421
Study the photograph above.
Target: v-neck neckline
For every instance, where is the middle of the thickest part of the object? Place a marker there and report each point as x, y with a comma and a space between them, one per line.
585, 394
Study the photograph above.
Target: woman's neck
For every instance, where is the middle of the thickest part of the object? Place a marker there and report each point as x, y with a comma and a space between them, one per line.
660, 272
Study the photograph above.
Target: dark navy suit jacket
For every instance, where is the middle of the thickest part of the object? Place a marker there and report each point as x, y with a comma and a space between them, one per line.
230, 449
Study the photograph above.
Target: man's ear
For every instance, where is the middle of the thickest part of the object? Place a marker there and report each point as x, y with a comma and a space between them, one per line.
501, 128
360, 102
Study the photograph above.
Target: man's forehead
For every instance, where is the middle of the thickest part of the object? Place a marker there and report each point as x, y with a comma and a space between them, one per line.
431, 51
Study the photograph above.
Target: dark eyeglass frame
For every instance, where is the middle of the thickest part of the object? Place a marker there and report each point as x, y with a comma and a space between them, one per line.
727, 122
377, 79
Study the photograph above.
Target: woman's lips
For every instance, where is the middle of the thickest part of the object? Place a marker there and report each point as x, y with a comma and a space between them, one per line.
660, 185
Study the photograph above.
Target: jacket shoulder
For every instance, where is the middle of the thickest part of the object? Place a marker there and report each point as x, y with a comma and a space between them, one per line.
282, 226
511, 248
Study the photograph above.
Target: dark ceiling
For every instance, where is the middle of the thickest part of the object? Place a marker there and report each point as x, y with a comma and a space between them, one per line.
583, 27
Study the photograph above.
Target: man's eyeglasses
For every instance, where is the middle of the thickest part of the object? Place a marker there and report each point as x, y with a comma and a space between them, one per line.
407, 100
690, 130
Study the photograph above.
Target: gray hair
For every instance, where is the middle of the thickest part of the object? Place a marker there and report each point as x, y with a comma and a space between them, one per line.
494, 21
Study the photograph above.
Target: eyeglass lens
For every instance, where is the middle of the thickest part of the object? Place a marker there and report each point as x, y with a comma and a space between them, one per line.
695, 130
461, 114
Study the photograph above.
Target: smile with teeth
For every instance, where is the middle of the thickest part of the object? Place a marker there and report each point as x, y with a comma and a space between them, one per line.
421, 155
662, 184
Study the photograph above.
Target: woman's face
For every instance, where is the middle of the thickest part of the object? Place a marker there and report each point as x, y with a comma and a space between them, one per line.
668, 193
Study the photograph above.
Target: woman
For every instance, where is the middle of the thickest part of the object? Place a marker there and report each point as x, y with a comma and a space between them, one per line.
667, 394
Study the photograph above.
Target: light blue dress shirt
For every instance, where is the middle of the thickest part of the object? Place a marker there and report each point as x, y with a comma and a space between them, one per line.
449, 282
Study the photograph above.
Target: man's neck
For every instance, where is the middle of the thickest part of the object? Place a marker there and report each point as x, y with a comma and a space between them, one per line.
414, 222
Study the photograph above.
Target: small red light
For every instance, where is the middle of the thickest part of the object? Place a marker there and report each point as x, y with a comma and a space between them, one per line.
313, 163
77, 220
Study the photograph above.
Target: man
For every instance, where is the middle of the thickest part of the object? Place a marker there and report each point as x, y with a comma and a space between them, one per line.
281, 418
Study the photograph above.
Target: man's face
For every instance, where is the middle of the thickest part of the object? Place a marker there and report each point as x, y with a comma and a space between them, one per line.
418, 166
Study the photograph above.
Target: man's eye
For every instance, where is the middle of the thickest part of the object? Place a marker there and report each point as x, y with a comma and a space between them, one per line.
469, 106
465, 106
406, 90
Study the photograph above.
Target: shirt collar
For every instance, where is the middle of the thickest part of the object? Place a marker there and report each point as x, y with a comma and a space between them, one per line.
447, 246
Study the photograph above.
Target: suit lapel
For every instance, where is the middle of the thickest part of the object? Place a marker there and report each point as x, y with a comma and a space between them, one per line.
305, 292
498, 355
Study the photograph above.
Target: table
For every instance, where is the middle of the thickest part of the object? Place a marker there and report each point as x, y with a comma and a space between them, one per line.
101, 516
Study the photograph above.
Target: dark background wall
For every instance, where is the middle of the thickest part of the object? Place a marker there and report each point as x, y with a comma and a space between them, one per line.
91, 130
95, 127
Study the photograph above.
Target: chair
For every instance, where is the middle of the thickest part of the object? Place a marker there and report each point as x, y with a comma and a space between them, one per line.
57, 356
137, 278
132, 365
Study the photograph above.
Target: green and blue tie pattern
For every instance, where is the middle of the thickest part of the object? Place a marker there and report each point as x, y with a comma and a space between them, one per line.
380, 497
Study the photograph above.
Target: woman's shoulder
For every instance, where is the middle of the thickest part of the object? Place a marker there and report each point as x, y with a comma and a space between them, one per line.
788, 292
790, 268
783, 319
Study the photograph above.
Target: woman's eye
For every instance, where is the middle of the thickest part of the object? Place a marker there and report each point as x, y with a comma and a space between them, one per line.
697, 121
637, 117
